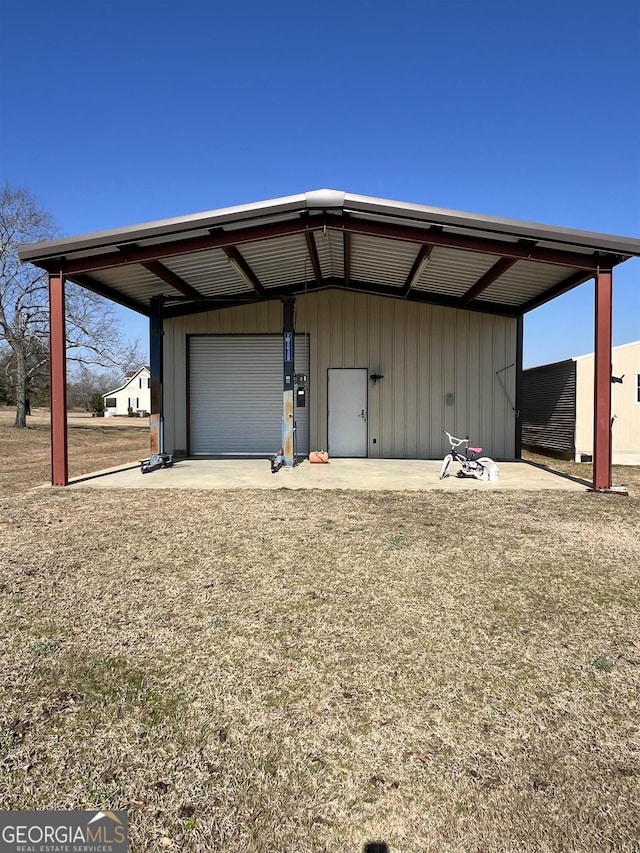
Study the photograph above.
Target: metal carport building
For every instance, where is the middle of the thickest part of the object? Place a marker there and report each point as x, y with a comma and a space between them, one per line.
369, 323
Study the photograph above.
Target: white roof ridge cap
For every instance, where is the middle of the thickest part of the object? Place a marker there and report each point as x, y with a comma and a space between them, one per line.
325, 198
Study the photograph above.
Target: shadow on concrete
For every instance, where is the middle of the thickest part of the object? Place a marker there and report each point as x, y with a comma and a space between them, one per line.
562, 474
75, 480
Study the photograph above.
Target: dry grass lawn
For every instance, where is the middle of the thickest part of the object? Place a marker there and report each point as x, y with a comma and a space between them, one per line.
622, 475
93, 446
310, 671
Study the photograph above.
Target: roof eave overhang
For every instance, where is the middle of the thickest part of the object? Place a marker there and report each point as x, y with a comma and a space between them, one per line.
332, 201
582, 253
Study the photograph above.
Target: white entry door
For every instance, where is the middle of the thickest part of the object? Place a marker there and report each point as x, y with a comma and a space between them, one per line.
348, 412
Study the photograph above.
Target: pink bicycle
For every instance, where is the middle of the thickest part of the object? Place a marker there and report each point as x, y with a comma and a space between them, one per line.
470, 464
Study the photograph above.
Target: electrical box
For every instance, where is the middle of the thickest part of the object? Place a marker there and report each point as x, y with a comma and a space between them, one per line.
302, 383
450, 399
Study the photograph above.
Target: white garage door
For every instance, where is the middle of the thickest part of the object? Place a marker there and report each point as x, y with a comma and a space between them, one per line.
235, 394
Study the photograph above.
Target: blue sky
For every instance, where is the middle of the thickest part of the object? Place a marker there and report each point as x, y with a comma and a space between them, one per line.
124, 111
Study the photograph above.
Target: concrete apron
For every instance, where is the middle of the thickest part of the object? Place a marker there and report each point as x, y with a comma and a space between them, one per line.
361, 474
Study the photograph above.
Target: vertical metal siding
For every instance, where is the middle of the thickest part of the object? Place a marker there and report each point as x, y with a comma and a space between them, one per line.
424, 353
549, 407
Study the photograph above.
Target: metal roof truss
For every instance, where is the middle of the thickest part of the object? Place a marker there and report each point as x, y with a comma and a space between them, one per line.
367, 245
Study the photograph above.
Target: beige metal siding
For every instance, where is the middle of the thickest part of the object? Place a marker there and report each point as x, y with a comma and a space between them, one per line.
424, 353
626, 412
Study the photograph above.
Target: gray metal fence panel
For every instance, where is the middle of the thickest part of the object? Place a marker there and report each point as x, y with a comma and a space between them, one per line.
549, 407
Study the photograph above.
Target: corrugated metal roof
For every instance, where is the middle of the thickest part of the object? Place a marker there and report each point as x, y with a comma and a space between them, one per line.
522, 282
453, 272
209, 272
385, 240
330, 248
133, 281
279, 262
382, 261
491, 224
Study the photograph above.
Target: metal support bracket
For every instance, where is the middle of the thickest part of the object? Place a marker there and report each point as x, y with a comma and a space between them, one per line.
158, 460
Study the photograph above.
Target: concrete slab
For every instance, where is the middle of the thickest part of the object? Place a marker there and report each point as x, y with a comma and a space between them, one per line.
365, 474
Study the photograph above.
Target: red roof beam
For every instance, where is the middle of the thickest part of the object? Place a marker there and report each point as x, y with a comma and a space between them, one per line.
492, 275
602, 382
58, 377
313, 255
170, 278
420, 262
390, 231
466, 243
243, 269
346, 246
487, 279
218, 240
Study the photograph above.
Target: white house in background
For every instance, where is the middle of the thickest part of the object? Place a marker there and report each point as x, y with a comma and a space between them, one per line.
134, 394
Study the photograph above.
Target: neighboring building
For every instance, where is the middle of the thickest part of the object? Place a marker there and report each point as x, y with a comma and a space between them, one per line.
134, 394
557, 406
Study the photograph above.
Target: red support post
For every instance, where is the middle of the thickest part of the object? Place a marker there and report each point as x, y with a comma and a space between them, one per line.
58, 374
602, 382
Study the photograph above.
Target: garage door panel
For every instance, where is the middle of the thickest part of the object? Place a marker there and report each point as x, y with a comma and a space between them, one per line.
235, 394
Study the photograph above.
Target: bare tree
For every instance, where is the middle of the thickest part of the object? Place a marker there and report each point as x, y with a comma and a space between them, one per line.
93, 334
37, 372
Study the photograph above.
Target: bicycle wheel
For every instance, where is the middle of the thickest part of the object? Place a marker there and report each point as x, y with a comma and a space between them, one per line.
483, 474
448, 459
